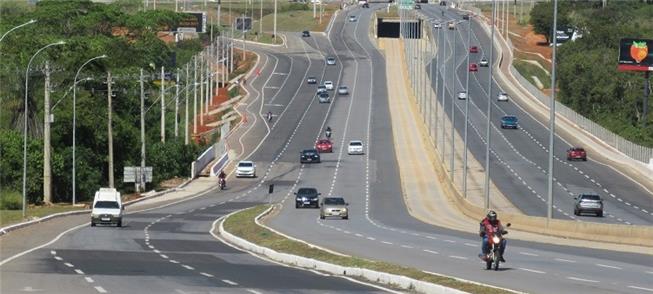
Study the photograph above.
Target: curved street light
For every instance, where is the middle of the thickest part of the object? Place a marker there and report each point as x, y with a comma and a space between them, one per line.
25, 112
31, 21
75, 115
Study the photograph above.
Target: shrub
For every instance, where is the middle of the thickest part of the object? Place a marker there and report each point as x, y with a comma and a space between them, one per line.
10, 200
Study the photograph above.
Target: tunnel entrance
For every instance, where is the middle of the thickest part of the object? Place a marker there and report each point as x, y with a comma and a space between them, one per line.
389, 28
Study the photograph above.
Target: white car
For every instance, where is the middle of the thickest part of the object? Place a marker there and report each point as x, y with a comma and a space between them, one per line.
107, 208
437, 26
331, 60
352, 18
483, 62
321, 88
462, 95
343, 90
502, 97
355, 147
246, 168
328, 85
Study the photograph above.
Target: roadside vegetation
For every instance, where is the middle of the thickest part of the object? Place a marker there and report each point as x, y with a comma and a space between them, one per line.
129, 38
242, 225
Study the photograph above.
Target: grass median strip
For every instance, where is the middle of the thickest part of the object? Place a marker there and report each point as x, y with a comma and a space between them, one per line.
242, 225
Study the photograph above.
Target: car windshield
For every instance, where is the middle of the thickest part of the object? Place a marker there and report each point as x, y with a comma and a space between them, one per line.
343, 88
334, 201
309, 152
509, 118
355, 144
590, 197
307, 192
578, 149
245, 164
106, 204
323, 142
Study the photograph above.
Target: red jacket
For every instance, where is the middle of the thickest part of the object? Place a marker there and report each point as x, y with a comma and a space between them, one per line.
487, 228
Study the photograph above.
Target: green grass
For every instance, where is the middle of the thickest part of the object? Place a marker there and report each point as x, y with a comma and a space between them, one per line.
242, 224
8, 217
394, 12
528, 70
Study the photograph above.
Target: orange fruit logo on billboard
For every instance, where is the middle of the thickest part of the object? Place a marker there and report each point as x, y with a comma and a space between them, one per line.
638, 51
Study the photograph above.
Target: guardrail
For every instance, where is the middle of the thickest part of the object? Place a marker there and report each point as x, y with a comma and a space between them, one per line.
215, 150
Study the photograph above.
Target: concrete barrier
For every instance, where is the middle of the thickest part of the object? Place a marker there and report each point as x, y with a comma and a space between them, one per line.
309, 263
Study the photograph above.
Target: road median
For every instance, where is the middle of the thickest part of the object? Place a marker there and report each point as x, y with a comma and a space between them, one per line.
242, 229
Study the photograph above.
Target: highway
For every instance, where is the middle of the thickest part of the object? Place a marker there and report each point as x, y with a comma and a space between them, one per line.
519, 164
170, 250
380, 226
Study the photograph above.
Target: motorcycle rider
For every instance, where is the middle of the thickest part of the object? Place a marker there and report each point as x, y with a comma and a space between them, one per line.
222, 178
328, 132
488, 226
269, 115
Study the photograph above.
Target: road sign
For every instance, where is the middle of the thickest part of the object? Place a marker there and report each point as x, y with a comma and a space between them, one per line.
130, 174
406, 4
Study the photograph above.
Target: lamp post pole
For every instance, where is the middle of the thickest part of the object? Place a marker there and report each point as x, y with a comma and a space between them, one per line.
75, 121
486, 201
26, 114
552, 114
469, 28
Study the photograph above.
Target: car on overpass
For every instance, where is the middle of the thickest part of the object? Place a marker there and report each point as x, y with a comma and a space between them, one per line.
509, 122
473, 49
324, 146
503, 97
353, 18
307, 197
306, 34
309, 156
311, 80
437, 25
331, 60
462, 95
484, 62
323, 97
473, 67
246, 168
576, 153
588, 202
334, 206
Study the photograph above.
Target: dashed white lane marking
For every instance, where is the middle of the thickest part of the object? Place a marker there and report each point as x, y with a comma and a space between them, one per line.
207, 275
458, 257
641, 288
253, 291
386, 242
583, 280
470, 245
174, 261
68, 264
565, 260
156, 251
650, 273
358, 235
528, 254
531, 270
230, 282
100, 289
89, 279
608, 266
78, 271
431, 251
450, 241
58, 258
53, 252
163, 256
371, 238
406, 246
188, 267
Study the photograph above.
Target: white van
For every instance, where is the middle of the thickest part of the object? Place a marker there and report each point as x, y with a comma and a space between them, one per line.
107, 207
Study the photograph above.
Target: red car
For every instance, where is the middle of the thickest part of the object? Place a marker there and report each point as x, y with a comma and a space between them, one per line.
473, 67
473, 49
324, 145
576, 153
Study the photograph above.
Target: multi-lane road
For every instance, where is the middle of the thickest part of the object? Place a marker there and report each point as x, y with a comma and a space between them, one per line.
170, 249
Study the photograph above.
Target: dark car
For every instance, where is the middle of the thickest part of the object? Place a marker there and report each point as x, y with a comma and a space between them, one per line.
509, 122
307, 197
365, 5
309, 156
311, 80
306, 34
588, 202
466, 16
324, 146
576, 153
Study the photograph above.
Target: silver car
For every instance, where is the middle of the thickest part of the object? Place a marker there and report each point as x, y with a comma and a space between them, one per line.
323, 97
462, 95
588, 202
343, 90
502, 97
331, 60
334, 206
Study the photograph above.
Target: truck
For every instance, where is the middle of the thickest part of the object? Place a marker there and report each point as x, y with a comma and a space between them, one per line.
107, 208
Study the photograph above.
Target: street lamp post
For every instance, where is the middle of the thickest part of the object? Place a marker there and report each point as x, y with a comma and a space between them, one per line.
489, 111
552, 114
31, 21
469, 28
25, 114
75, 120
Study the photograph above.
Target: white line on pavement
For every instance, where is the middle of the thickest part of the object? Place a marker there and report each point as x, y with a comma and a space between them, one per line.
386, 242
458, 257
253, 291
79, 271
174, 261
188, 267
641, 288
565, 260
582, 280
68, 264
205, 274
431, 251
406, 246
100, 289
528, 253
89, 279
532, 270
58, 258
230, 282
53, 252
608, 266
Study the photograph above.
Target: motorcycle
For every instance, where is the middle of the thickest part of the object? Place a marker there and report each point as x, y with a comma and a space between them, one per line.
223, 183
327, 134
269, 116
493, 258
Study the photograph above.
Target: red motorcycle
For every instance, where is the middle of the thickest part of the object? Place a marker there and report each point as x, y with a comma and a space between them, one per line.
493, 258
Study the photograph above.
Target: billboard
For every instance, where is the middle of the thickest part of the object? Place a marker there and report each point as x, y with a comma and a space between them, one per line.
192, 22
635, 55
